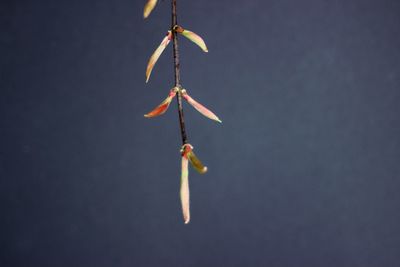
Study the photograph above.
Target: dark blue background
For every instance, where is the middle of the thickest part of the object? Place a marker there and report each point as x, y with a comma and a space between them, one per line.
304, 170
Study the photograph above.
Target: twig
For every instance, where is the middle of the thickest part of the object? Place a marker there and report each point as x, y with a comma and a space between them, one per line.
177, 72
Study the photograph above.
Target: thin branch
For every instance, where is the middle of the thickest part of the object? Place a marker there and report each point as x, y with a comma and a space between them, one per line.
177, 72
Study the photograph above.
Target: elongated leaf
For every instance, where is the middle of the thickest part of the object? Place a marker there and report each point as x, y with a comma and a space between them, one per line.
196, 163
192, 37
162, 108
157, 53
149, 6
184, 191
199, 107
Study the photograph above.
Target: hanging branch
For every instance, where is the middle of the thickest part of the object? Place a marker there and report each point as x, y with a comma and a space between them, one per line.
177, 72
187, 154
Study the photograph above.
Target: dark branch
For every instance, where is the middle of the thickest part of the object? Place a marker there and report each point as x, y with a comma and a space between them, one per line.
177, 72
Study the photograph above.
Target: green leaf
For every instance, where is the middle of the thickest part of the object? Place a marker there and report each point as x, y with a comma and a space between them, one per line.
192, 37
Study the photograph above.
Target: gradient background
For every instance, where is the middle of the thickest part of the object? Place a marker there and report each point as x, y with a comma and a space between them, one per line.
304, 171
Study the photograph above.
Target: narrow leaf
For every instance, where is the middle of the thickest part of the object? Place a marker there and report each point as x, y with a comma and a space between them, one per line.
192, 37
200, 108
149, 7
162, 108
196, 163
154, 57
184, 192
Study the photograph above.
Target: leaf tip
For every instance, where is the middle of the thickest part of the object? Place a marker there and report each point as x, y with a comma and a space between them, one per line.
149, 6
204, 170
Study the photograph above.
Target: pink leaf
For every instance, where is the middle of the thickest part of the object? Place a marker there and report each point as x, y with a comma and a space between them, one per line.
150, 4
188, 156
200, 108
184, 192
157, 53
162, 108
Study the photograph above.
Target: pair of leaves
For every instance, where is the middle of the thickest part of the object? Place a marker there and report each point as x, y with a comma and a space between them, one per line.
162, 108
164, 43
188, 156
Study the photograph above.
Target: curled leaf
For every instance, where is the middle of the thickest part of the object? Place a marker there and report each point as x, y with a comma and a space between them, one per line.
199, 107
149, 6
162, 108
196, 163
192, 37
184, 191
154, 57
187, 150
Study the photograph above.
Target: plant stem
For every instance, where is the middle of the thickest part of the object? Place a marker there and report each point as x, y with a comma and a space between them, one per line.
177, 72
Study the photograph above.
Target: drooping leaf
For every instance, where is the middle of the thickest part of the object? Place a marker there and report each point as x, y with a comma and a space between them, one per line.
154, 57
188, 156
162, 108
184, 191
192, 37
199, 107
196, 163
149, 6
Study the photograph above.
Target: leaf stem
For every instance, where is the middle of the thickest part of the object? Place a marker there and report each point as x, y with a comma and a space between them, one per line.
177, 72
